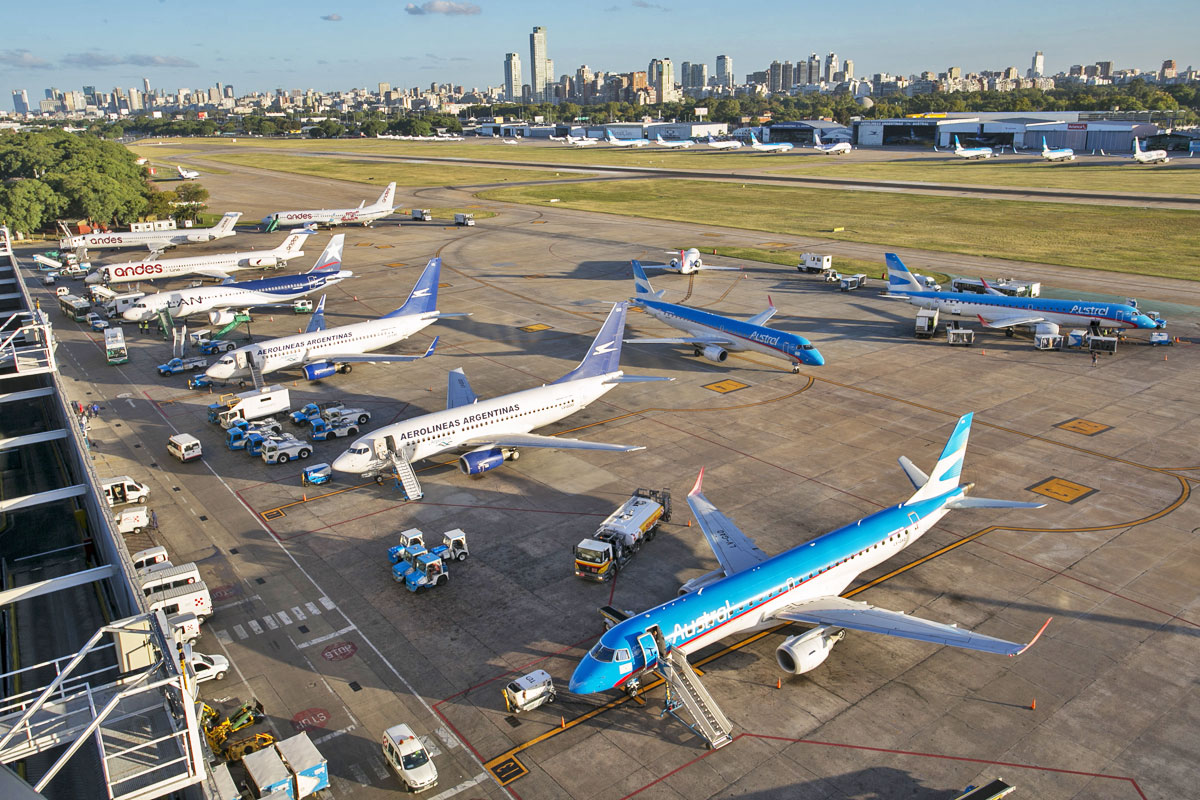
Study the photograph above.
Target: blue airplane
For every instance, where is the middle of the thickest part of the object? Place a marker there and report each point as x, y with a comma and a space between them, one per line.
996, 310
752, 591
713, 336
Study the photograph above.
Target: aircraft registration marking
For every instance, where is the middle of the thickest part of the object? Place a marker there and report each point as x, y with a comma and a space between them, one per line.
535, 328
726, 386
1083, 426
1062, 490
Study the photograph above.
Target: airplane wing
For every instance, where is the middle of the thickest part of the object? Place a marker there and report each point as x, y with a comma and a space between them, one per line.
212, 272
762, 317
839, 612
373, 358
535, 440
459, 392
735, 550
1008, 322
159, 246
682, 340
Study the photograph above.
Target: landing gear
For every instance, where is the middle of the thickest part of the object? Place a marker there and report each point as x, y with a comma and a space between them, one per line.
1009, 332
795, 369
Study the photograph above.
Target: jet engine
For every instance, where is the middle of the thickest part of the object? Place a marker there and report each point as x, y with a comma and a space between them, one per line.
806, 652
220, 317
478, 462
714, 353
264, 261
324, 369
1043, 328
197, 238
695, 584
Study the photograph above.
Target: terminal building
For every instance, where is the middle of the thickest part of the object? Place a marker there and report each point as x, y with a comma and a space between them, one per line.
1000, 129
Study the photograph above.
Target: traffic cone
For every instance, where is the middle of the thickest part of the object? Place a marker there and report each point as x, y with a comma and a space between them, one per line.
689, 523
1033, 705
562, 722
779, 683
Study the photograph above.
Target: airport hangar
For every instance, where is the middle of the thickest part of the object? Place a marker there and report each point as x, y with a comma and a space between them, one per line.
1024, 129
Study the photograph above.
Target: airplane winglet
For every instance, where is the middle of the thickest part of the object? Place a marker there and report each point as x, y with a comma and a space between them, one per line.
699, 484
1035, 638
770, 302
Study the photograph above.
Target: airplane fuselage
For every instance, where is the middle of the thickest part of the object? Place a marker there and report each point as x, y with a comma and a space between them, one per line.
177, 267
839, 149
331, 218
184, 302
1064, 154
147, 239
748, 600
442, 431
743, 335
1060, 312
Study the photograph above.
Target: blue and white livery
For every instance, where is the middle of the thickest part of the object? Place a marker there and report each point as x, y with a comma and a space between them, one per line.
775, 147
713, 336
492, 430
678, 144
751, 591
322, 351
832, 148
613, 140
1058, 153
215, 300
996, 310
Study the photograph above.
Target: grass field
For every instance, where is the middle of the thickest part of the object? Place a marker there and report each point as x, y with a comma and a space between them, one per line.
1138, 241
1087, 173
790, 258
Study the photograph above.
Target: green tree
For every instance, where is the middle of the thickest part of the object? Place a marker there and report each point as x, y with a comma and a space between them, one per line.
29, 205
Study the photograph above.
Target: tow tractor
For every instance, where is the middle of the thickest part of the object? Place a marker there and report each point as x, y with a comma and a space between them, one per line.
316, 475
282, 449
453, 546
428, 570
601, 556
406, 561
323, 430
217, 733
312, 411
236, 436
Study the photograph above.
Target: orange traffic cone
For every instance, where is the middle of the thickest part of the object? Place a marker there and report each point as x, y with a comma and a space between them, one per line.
689, 523
779, 683
1033, 705
562, 722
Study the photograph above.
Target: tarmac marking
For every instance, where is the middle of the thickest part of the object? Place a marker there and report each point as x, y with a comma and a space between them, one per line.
430, 745
326, 637
254, 626
447, 738
379, 768
312, 609
298, 614
271, 623
333, 734
329, 604
241, 632
283, 617
360, 777
1062, 490
462, 787
223, 637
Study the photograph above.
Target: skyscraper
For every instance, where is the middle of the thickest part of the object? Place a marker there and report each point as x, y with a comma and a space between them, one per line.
666, 81
512, 77
1038, 68
537, 63
20, 101
831, 66
725, 71
699, 76
685, 75
787, 77
774, 77
146, 85
814, 69
848, 69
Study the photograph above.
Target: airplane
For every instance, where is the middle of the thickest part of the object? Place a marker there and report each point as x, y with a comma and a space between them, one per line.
1148, 156
187, 174
363, 215
581, 141
321, 352
831, 149
1058, 154
613, 140
510, 141
214, 266
751, 591
728, 144
777, 147
682, 144
971, 152
216, 300
491, 431
688, 263
996, 310
713, 336
154, 241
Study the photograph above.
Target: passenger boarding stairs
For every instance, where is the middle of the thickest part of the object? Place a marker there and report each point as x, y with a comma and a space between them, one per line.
684, 688
406, 477
255, 373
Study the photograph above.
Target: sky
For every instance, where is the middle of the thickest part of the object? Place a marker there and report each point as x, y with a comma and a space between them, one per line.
343, 44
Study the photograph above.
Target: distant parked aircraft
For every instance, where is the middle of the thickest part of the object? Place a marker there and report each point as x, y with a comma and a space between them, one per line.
682, 144
728, 144
777, 147
187, 174
831, 149
329, 217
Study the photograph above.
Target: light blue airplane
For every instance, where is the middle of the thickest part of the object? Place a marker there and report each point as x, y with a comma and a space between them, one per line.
713, 336
996, 310
752, 591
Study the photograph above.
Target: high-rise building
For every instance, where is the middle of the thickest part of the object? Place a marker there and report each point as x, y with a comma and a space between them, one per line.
653, 72
848, 68
685, 75
90, 93
20, 101
774, 76
831, 66
537, 64
814, 69
135, 100
1169, 69
512, 77
146, 85
954, 73
725, 71
787, 77
699, 76
384, 88
1105, 68
1038, 68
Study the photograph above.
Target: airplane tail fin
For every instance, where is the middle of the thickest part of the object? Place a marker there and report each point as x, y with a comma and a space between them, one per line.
317, 321
753, 138
423, 297
604, 357
331, 257
226, 223
1045, 147
957, 146
291, 245
948, 470
641, 284
179, 169
816, 137
1137, 146
899, 278
389, 194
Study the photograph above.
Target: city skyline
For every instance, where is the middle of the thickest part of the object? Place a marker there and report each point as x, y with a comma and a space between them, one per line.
466, 43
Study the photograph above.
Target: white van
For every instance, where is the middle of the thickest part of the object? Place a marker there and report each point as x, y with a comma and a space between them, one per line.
149, 557
190, 598
184, 446
186, 627
162, 579
124, 489
133, 520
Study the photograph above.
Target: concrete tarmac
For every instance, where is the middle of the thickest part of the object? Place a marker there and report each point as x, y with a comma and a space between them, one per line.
308, 613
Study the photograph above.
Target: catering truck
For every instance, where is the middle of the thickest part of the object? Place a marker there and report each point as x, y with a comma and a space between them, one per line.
601, 556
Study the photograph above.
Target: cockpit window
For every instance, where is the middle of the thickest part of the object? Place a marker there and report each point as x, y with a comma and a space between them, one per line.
602, 653
226, 360
622, 655
359, 451
807, 347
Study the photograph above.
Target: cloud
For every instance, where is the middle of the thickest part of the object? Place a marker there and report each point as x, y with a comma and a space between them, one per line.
332, 17
649, 6
459, 58
22, 59
450, 9
94, 60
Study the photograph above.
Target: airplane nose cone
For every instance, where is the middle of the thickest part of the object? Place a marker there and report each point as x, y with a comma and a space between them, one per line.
345, 463
818, 360
92, 277
586, 678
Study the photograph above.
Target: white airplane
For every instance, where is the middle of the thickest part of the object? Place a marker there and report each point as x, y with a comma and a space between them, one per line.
216, 300
728, 144
154, 241
322, 352
777, 147
510, 141
187, 174
1148, 156
971, 152
363, 215
688, 262
581, 141
752, 591
1057, 154
613, 140
492, 430
831, 149
682, 144
214, 266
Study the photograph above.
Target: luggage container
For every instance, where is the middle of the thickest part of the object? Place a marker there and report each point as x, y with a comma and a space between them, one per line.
310, 771
1048, 341
927, 323
268, 775
960, 337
